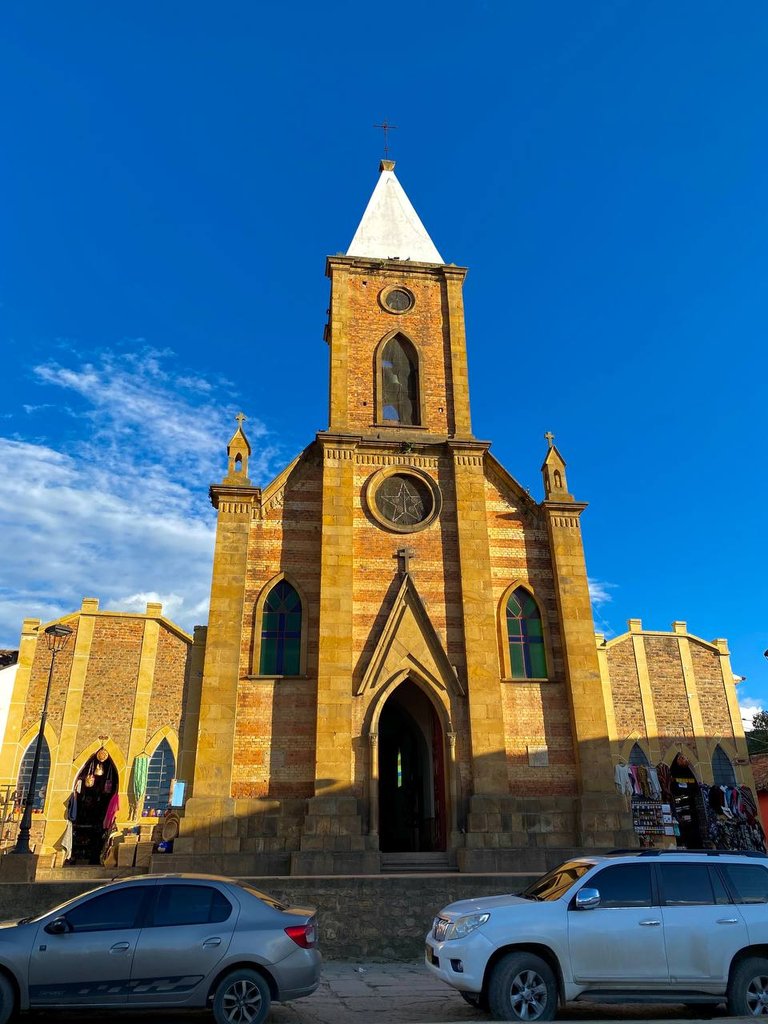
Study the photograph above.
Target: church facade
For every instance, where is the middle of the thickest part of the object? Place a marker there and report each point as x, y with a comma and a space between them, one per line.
401, 663
400, 667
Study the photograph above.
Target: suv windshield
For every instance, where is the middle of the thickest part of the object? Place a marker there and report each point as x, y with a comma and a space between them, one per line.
556, 882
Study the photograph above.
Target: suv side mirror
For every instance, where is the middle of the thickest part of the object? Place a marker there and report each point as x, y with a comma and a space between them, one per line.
59, 926
587, 899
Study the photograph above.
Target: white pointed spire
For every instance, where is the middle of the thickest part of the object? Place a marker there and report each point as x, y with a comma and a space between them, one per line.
390, 228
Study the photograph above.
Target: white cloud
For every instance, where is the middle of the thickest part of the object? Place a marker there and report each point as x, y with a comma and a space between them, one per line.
600, 592
749, 707
123, 514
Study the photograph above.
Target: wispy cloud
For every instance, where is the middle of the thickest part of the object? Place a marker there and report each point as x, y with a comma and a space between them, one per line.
600, 592
122, 514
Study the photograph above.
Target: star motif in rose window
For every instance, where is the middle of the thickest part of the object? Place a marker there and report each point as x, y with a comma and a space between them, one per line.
404, 506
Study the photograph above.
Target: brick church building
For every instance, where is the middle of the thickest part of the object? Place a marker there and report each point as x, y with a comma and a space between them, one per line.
400, 665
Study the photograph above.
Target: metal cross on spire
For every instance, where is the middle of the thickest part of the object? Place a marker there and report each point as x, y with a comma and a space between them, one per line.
550, 438
386, 127
240, 417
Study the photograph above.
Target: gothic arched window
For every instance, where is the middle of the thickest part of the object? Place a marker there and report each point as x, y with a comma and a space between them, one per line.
160, 772
637, 756
722, 769
43, 773
281, 632
525, 636
399, 382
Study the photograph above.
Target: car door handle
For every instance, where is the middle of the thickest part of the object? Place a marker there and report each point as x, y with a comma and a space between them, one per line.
650, 923
727, 920
120, 947
212, 942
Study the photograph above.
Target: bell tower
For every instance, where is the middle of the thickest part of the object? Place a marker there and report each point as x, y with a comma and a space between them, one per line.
396, 328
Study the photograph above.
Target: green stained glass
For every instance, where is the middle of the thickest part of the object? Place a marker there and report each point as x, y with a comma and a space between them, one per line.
281, 632
525, 634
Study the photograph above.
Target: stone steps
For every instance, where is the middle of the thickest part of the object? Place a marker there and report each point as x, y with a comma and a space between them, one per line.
413, 863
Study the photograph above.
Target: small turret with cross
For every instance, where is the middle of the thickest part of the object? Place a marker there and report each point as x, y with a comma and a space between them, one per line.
553, 472
238, 451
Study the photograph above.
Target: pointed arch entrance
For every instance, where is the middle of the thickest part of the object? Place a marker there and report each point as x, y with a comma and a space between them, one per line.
411, 773
95, 789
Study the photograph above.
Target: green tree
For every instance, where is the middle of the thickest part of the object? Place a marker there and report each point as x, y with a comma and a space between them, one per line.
757, 736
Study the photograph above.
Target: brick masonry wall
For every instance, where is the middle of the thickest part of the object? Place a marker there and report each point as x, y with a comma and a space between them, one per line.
625, 687
274, 751
59, 683
110, 683
711, 689
669, 695
359, 918
535, 714
425, 325
168, 700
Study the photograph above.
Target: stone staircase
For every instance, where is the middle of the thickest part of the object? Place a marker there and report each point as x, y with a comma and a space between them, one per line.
416, 863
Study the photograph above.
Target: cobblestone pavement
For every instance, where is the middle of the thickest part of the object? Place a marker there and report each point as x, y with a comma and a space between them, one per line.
353, 993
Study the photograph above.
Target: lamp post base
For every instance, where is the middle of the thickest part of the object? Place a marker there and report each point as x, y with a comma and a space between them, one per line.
18, 867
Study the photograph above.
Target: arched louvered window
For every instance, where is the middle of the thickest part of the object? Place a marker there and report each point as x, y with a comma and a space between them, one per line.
281, 632
160, 773
400, 382
637, 756
722, 769
525, 636
43, 774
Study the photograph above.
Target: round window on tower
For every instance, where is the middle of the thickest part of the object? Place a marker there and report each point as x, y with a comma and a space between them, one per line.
396, 300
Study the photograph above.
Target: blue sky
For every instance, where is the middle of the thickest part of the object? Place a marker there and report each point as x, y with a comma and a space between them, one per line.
174, 175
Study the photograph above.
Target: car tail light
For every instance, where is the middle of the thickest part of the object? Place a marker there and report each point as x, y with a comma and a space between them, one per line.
304, 935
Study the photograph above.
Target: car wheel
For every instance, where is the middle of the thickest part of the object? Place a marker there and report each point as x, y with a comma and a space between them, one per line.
242, 997
522, 987
7, 999
476, 999
748, 989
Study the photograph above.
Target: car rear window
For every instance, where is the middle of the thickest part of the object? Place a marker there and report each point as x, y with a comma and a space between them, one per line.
264, 897
749, 882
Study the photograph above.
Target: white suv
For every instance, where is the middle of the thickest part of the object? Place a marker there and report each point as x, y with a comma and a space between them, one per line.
635, 926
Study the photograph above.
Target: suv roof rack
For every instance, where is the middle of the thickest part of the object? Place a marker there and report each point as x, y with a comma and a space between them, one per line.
645, 852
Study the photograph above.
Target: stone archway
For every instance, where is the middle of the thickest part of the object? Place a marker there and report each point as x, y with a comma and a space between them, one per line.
412, 776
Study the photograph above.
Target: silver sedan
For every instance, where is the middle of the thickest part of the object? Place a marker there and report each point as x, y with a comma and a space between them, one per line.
162, 941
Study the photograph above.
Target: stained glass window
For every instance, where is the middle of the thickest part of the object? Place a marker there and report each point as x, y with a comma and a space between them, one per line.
160, 772
526, 637
637, 756
399, 382
722, 769
43, 772
281, 632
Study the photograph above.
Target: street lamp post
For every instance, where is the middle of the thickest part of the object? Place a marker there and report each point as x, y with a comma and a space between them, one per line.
57, 637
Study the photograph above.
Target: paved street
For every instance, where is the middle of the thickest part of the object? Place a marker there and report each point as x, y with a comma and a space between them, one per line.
401, 993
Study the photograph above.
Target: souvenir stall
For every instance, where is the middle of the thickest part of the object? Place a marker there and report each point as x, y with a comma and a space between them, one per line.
652, 817
670, 806
91, 809
733, 819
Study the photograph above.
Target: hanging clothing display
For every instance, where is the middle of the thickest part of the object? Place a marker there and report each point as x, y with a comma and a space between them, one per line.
139, 782
733, 821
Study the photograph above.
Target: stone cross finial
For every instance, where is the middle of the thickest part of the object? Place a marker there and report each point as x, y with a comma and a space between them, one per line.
240, 417
550, 438
404, 556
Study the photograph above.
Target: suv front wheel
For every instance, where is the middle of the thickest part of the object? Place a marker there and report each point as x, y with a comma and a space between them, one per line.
748, 990
522, 987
